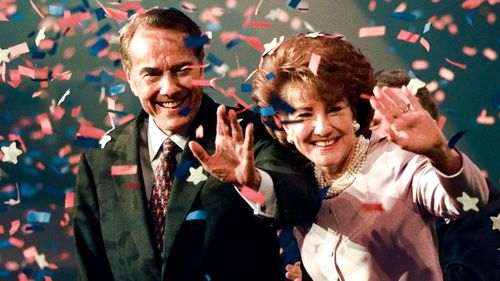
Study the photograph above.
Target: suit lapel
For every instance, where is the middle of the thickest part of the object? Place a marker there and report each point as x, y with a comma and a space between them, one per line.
130, 190
184, 193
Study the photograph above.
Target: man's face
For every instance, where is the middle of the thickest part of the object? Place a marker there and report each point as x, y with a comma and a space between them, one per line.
158, 76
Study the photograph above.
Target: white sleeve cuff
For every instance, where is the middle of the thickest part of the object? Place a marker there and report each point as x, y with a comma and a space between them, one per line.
266, 189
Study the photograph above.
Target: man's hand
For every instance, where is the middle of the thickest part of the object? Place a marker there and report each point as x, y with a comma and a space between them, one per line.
233, 160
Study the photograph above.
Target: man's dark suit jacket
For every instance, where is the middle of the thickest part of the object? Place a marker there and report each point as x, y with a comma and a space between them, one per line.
112, 226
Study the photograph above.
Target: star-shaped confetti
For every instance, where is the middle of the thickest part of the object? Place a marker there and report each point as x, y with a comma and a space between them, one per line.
4, 55
496, 222
10, 153
469, 203
196, 175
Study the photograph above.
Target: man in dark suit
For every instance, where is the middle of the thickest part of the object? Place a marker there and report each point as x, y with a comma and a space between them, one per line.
210, 231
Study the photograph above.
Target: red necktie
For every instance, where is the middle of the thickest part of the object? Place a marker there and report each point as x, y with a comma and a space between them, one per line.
162, 186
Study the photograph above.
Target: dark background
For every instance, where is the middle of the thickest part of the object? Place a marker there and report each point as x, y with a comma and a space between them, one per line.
44, 175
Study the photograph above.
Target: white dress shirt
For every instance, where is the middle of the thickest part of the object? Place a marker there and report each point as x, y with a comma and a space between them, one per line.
156, 137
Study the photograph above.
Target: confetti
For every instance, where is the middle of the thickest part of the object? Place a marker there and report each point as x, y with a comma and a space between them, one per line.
196, 41
196, 175
462, 66
455, 138
446, 74
10, 153
267, 111
40, 217
123, 170
404, 16
484, 119
252, 195
372, 31
414, 85
496, 222
314, 63
293, 3
425, 43
408, 36
69, 199
18, 50
468, 203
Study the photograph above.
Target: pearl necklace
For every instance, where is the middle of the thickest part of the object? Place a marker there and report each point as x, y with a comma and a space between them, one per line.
336, 186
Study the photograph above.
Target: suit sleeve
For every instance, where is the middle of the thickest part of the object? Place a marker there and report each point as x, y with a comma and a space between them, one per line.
297, 197
90, 254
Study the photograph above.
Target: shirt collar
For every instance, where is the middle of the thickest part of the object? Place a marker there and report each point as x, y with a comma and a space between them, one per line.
156, 137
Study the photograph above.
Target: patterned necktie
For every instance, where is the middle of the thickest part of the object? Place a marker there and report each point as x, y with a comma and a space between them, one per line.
162, 186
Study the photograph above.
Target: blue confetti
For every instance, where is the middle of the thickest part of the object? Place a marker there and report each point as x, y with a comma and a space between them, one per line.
246, 88
293, 4
120, 113
404, 16
100, 14
183, 168
214, 60
270, 76
41, 217
117, 89
208, 277
104, 29
106, 77
184, 111
279, 103
98, 46
35, 228
196, 41
37, 55
56, 10
468, 17
4, 244
323, 192
87, 142
233, 43
92, 78
267, 111
456, 137
411, 74
197, 215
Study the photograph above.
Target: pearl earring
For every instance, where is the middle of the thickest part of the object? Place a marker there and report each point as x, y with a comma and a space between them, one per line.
356, 126
289, 139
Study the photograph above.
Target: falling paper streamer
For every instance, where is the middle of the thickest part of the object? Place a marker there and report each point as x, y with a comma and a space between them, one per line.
460, 65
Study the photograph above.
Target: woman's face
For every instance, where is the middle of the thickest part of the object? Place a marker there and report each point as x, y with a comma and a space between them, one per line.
325, 135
